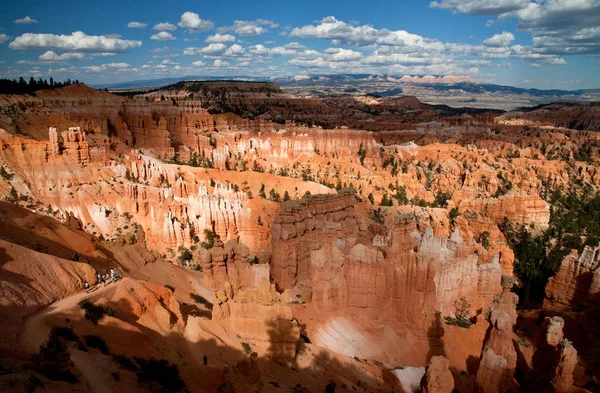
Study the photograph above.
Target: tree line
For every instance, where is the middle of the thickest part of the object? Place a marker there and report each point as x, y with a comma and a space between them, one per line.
21, 86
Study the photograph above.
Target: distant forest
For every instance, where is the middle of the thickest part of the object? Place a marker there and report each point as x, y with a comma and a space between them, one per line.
21, 86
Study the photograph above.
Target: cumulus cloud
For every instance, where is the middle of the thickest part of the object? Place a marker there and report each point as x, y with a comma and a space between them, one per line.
53, 56
198, 63
338, 54
3, 38
76, 42
223, 38
26, 20
234, 50
249, 28
220, 63
480, 7
559, 27
164, 26
500, 40
192, 22
211, 49
136, 25
162, 36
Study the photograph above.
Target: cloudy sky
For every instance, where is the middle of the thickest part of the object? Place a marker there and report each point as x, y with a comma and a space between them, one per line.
530, 43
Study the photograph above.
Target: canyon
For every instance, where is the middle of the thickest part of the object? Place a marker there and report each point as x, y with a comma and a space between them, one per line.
274, 243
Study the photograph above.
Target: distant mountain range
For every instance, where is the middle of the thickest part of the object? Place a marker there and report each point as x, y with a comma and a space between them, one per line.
449, 90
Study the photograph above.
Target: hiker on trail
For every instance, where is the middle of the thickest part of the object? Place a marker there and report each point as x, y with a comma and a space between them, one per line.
75, 257
86, 285
112, 274
98, 279
205, 360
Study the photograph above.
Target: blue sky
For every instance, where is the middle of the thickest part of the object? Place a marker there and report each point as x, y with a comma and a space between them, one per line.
528, 43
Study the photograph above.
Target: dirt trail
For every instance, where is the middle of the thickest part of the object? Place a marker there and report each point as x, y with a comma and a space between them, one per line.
35, 331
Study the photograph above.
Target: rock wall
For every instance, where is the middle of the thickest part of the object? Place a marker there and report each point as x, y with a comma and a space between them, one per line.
374, 278
575, 282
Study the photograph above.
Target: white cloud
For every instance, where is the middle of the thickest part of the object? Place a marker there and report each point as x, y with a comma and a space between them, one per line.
137, 25
223, 38
338, 54
490, 23
164, 26
53, 56
26, 21
480, 7
500, 40
198, 63
114, 35
234, 50
211, 49
192, 22
162, 36
249, 28
3, 38
77, 41
220, 63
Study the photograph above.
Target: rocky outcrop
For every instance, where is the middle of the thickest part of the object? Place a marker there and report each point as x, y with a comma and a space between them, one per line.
437, 378
562, 379
498, 357
576, 281
72, 143
364, 278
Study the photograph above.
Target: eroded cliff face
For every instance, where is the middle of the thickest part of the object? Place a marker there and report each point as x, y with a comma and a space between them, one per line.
365, 280
576, 282
414, 281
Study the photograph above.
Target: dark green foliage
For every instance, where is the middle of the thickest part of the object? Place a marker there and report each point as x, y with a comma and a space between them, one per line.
453, 214
247, 348
8, 86
261, 193
209, 239
462, 315
385, 201
5, 174
53, 359
377, 216
401, 196
259, 221
202, 300
254, 260
371, 199
441, 199
574, 223
274, 195
362, 153
504, 187
96, 342
286, 196
185, 255
484, 239
160, 372
95, 313
13, 196
124, 362
65, 332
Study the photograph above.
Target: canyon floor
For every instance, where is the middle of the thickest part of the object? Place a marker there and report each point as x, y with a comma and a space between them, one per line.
270, 243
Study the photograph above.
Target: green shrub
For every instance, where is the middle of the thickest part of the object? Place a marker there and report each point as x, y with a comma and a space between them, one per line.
97, 342
160, 372
95, 313
53, 359
202, 300
247, 348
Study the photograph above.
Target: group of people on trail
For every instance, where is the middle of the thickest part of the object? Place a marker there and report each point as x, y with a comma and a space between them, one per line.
105, 277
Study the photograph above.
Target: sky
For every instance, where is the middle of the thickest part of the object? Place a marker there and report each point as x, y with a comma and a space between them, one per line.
545, 44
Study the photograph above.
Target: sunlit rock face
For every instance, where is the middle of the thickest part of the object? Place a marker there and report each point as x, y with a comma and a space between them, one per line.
368, 282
